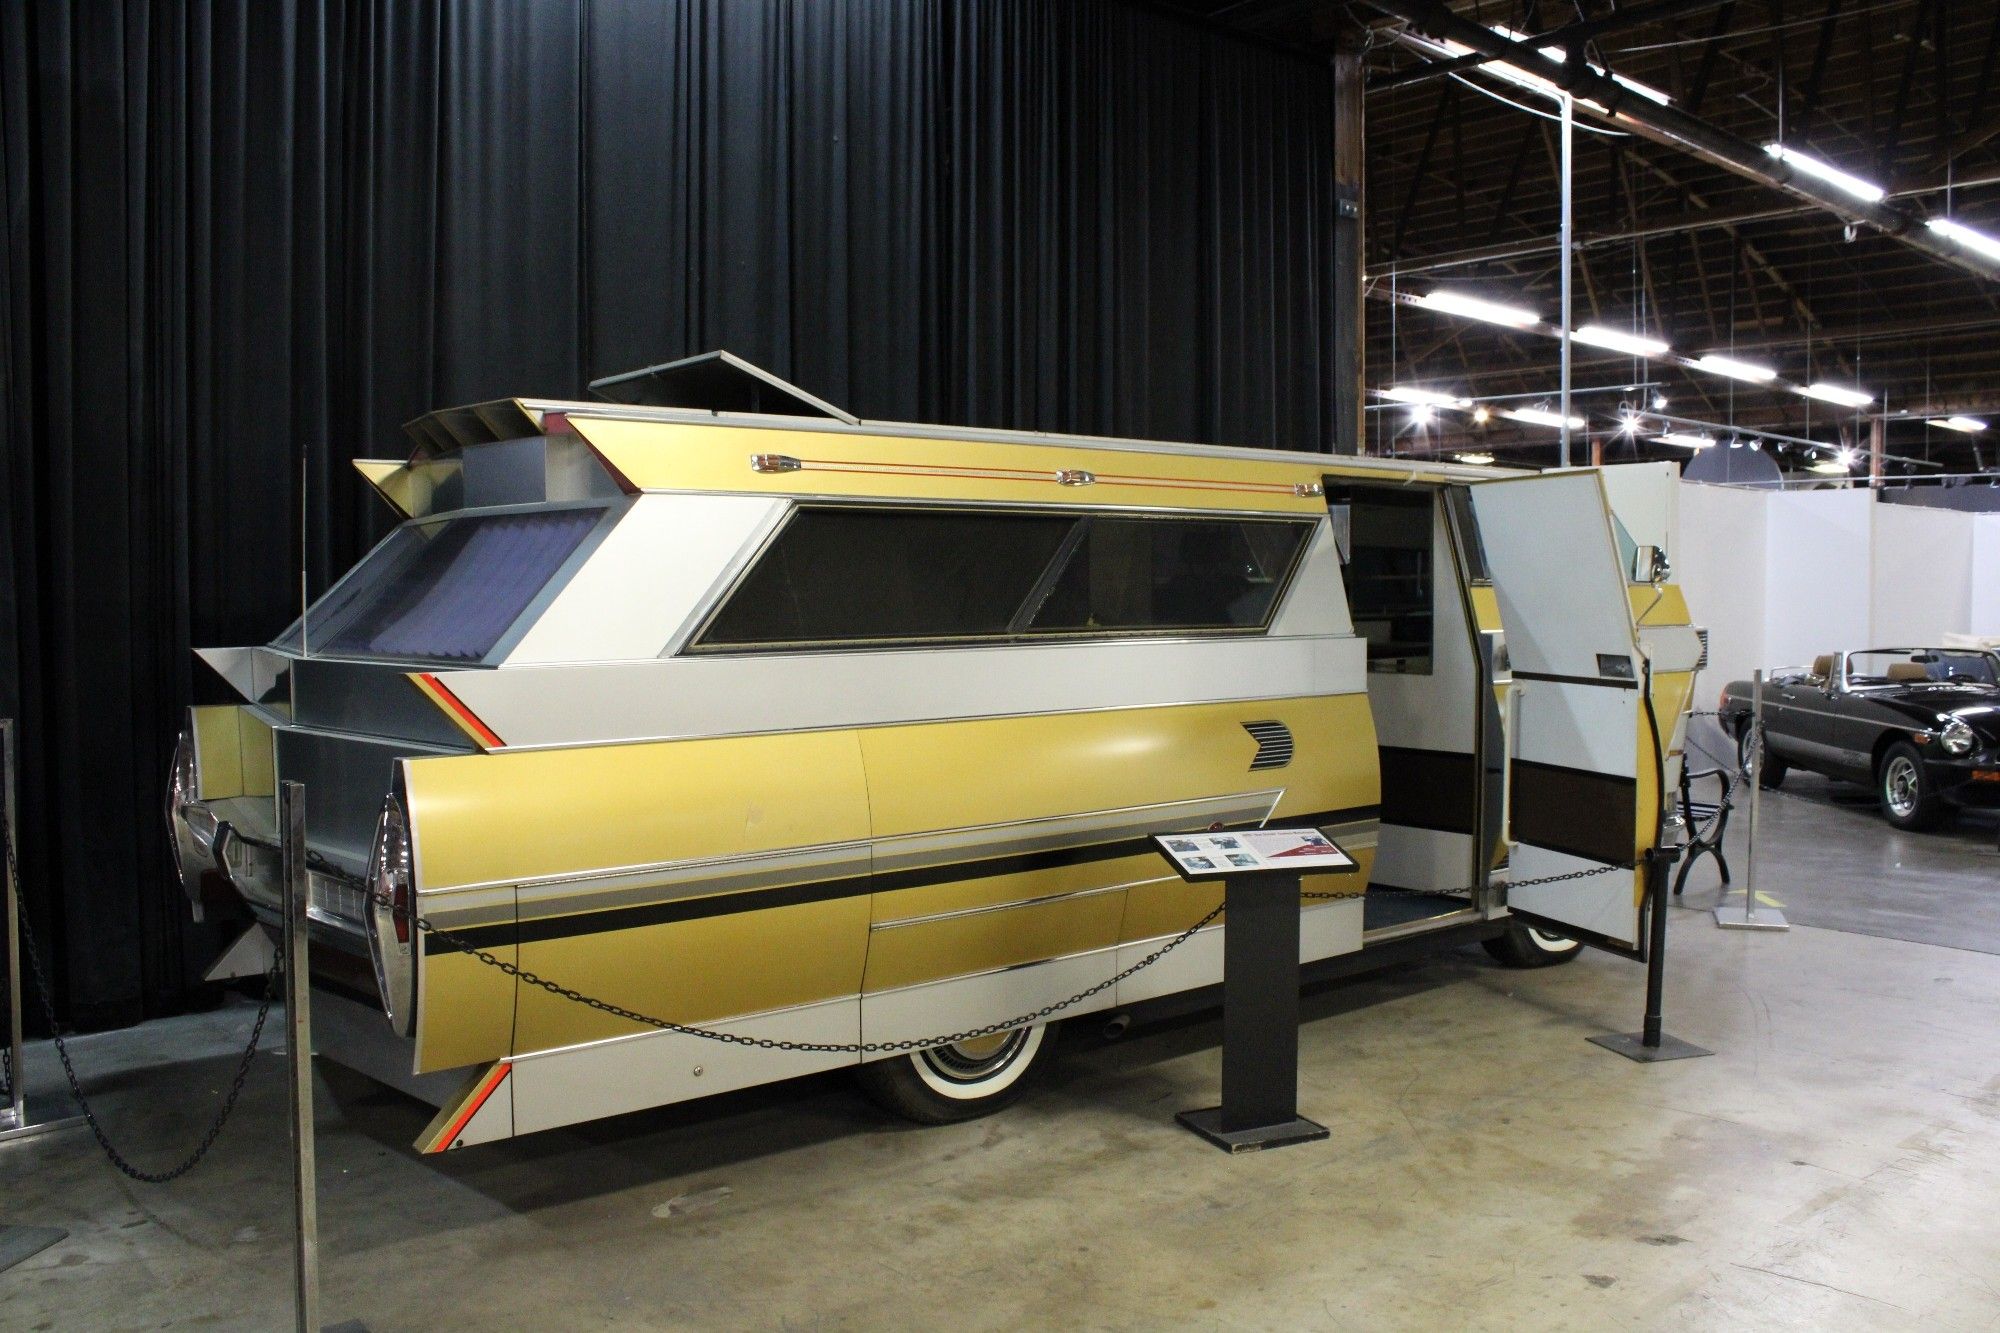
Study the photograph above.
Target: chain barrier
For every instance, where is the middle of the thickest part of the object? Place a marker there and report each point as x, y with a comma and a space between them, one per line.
523, 975
31, 948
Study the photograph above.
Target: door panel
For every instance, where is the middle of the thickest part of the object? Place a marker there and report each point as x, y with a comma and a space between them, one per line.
1584, 788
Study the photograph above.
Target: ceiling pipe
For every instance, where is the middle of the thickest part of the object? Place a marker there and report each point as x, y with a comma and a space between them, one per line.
1669, 226
1674, 128
1569, 37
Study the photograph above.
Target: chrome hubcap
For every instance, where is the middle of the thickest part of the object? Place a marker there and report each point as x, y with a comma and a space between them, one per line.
970, 1061
1901, 784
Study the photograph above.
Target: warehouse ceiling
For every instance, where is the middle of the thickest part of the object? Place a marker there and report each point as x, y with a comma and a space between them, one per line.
1462, 192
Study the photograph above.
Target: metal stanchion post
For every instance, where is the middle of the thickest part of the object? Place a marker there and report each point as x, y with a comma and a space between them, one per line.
298, 1043
17, 1242
1753, 916
298, 1047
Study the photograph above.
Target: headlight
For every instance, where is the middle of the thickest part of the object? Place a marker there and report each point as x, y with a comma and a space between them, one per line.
1957, 737
392, 907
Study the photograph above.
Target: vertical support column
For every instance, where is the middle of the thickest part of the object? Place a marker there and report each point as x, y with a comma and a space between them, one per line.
1878, 430
1568, 247
298, 1041
1349, 256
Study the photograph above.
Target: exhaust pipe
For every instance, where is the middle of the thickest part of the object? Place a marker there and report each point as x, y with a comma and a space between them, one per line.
1116, 1026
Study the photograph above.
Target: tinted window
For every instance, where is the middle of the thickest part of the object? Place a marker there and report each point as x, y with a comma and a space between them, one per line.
885, 576
1163, 574
857, 574
445, 591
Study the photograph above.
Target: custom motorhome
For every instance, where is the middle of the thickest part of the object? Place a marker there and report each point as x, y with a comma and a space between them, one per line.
793, 726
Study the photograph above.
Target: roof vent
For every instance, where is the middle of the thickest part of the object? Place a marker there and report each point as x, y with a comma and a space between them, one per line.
715, 382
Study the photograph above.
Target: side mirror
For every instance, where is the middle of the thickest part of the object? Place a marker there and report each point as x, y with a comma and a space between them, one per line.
1649, 565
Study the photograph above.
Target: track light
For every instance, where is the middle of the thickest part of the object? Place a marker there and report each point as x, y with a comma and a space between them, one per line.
1966, 236
1472, 307
1538, 416
1481, 415
1409, 393
1867, 191
1834, 393
1686, 440
1965, 425
1637, 344
1422, 414
1736, 370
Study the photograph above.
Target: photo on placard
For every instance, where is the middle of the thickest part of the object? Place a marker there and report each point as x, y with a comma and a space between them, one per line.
1198, 863
1239, 859
1227, 844
1181, 845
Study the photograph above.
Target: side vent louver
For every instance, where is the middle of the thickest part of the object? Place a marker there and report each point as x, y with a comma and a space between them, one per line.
1274, 744
1701, 632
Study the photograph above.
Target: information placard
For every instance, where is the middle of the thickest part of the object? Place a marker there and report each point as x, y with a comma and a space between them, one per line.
1292, 851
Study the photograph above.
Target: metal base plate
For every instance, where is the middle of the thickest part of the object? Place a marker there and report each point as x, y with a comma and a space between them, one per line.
1208, 1124
10, 1130
1632, 1046
18, 1243
1764, 918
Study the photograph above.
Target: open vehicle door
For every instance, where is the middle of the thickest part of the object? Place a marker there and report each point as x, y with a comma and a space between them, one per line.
1584, 775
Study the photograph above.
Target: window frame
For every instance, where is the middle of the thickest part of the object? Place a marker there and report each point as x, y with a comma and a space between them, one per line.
1018, 633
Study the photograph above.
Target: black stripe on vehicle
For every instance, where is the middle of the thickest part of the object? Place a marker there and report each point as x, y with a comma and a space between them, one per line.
1607, 682
1429, 789
1575, 811
532, 930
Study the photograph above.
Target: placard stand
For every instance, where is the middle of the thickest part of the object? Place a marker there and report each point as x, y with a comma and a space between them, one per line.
1260, 980
1260, 1020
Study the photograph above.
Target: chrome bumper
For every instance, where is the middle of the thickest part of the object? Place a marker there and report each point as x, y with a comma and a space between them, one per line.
233, 839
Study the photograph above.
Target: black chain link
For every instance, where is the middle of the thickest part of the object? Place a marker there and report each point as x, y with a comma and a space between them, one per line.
32, 949
426, 927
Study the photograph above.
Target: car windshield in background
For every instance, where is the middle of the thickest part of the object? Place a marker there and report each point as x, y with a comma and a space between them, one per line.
444, 591
1906, 667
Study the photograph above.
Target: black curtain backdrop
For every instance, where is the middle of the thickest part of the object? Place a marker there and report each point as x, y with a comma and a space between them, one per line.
246, 239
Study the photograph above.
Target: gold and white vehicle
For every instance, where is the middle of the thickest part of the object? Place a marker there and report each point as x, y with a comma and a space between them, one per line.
793, 726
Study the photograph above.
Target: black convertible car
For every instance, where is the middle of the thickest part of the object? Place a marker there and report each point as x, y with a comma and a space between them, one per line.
1921, 724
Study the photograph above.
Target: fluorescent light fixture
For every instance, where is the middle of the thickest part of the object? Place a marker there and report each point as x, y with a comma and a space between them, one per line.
1736, 370
1866, 191
1408, 393
1829, 466
1686, 440
1477, 460
1966, 236
1538, 416
1555, 54
1472, 307
1637, 344
1833, 393
1967, 425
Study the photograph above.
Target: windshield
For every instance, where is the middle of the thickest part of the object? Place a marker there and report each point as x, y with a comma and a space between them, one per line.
1907, 666
444, 590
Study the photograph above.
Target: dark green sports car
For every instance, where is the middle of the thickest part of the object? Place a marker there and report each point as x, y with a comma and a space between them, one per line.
1922, 725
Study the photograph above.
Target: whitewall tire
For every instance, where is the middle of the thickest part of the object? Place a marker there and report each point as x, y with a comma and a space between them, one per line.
958, 1082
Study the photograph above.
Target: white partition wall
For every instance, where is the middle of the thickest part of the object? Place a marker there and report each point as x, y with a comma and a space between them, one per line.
1779, 577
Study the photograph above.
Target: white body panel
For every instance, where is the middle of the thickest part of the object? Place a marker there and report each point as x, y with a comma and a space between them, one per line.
733, 695
647, 580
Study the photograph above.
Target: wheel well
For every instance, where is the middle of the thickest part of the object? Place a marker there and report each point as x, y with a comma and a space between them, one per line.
1882, 744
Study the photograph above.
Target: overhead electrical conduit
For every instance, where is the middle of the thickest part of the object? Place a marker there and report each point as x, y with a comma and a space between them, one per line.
1674, 128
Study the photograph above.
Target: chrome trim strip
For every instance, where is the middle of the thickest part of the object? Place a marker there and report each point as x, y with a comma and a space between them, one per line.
1422, 926
1041, 901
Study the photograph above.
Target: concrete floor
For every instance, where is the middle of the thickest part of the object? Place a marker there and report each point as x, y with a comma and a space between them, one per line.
1835, 1165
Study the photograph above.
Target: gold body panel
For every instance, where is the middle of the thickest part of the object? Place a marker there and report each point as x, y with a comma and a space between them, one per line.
543, 819
233, 752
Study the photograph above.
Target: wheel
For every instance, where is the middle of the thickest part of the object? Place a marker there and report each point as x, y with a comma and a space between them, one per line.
1909, 801
1772, 775
1525, 946
964, 1081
